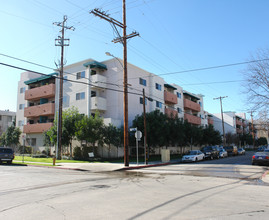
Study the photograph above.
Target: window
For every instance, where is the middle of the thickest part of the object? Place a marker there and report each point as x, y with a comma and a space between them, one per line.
21, 106
141, 101
158, 104
20, 123
93, 72
179, 110
0, 117
143, 82
200, 103
80, 96
93, 93
81, 75
22, 90
179, 95
158, 86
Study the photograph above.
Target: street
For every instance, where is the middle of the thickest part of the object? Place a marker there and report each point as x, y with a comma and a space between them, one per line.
217, 189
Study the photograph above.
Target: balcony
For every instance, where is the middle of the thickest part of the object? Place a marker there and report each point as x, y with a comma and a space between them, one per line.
171, 113
46, 91
36, 128
39, 110
188, 104
192, 119
98, 81
98, 103
210, 121
170, 98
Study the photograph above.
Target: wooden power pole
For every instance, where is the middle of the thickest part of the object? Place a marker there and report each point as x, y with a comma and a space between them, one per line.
123, 40
223, 130
62, 42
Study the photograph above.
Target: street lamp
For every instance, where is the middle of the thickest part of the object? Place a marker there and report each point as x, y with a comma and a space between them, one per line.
125, 103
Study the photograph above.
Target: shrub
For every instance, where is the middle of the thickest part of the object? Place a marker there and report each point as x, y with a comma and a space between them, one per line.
27, 150
77, 153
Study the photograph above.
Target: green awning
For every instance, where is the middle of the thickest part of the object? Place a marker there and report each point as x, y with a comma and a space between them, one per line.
170, 87
192, 96
95, 64
41, 78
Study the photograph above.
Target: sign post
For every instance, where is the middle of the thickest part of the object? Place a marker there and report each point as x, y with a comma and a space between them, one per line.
138, 135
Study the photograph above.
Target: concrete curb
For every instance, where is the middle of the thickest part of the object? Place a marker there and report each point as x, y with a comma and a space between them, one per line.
146, 166
56, 167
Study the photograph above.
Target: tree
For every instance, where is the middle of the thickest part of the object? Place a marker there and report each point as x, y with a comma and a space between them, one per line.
11, 137
231, 138
70, 117
111, 135
262, 141
89, 129
257, 77
211, 136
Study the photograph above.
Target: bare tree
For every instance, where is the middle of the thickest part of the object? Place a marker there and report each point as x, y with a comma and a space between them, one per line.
257, 81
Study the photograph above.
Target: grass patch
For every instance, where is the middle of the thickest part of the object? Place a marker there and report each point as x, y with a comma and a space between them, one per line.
47, 160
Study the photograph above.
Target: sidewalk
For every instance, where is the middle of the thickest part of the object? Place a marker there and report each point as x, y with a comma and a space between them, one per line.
102, 167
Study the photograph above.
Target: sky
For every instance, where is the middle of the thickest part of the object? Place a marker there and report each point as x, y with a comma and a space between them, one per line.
175, 36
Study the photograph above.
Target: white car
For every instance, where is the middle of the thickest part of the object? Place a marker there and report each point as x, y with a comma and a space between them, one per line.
193, 155
223, 153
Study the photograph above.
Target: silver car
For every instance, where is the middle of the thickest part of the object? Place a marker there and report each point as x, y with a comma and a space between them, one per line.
223, 153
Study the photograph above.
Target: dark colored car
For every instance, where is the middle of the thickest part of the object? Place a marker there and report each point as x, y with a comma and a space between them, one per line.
211, 152
260, 158
231, 150
6, 155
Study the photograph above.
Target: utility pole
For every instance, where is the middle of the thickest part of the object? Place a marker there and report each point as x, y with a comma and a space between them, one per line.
60, 41
223, 130
123, 40
145, 128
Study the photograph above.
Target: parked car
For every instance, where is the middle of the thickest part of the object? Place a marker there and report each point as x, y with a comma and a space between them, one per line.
223, 153
241, 151
6, 155
231, 150
193, 155
211, 152
260, 158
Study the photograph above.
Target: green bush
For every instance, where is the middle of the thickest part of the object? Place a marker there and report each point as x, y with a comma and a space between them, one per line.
27, 150
77, 153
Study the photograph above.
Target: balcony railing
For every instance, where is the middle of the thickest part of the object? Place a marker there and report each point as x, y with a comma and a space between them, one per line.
192, 119
36, 128
188, 104
46, 91
171, 112
170, 98
98, 103
39, 110
98, 81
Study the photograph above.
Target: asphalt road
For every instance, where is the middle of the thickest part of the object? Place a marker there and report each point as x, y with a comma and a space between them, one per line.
205, 190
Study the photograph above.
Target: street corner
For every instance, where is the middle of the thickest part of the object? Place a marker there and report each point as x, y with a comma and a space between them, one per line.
265, 176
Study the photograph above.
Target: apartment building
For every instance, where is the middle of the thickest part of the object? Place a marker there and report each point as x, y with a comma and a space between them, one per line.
235, 123
92, 87
6, 119
36, 106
